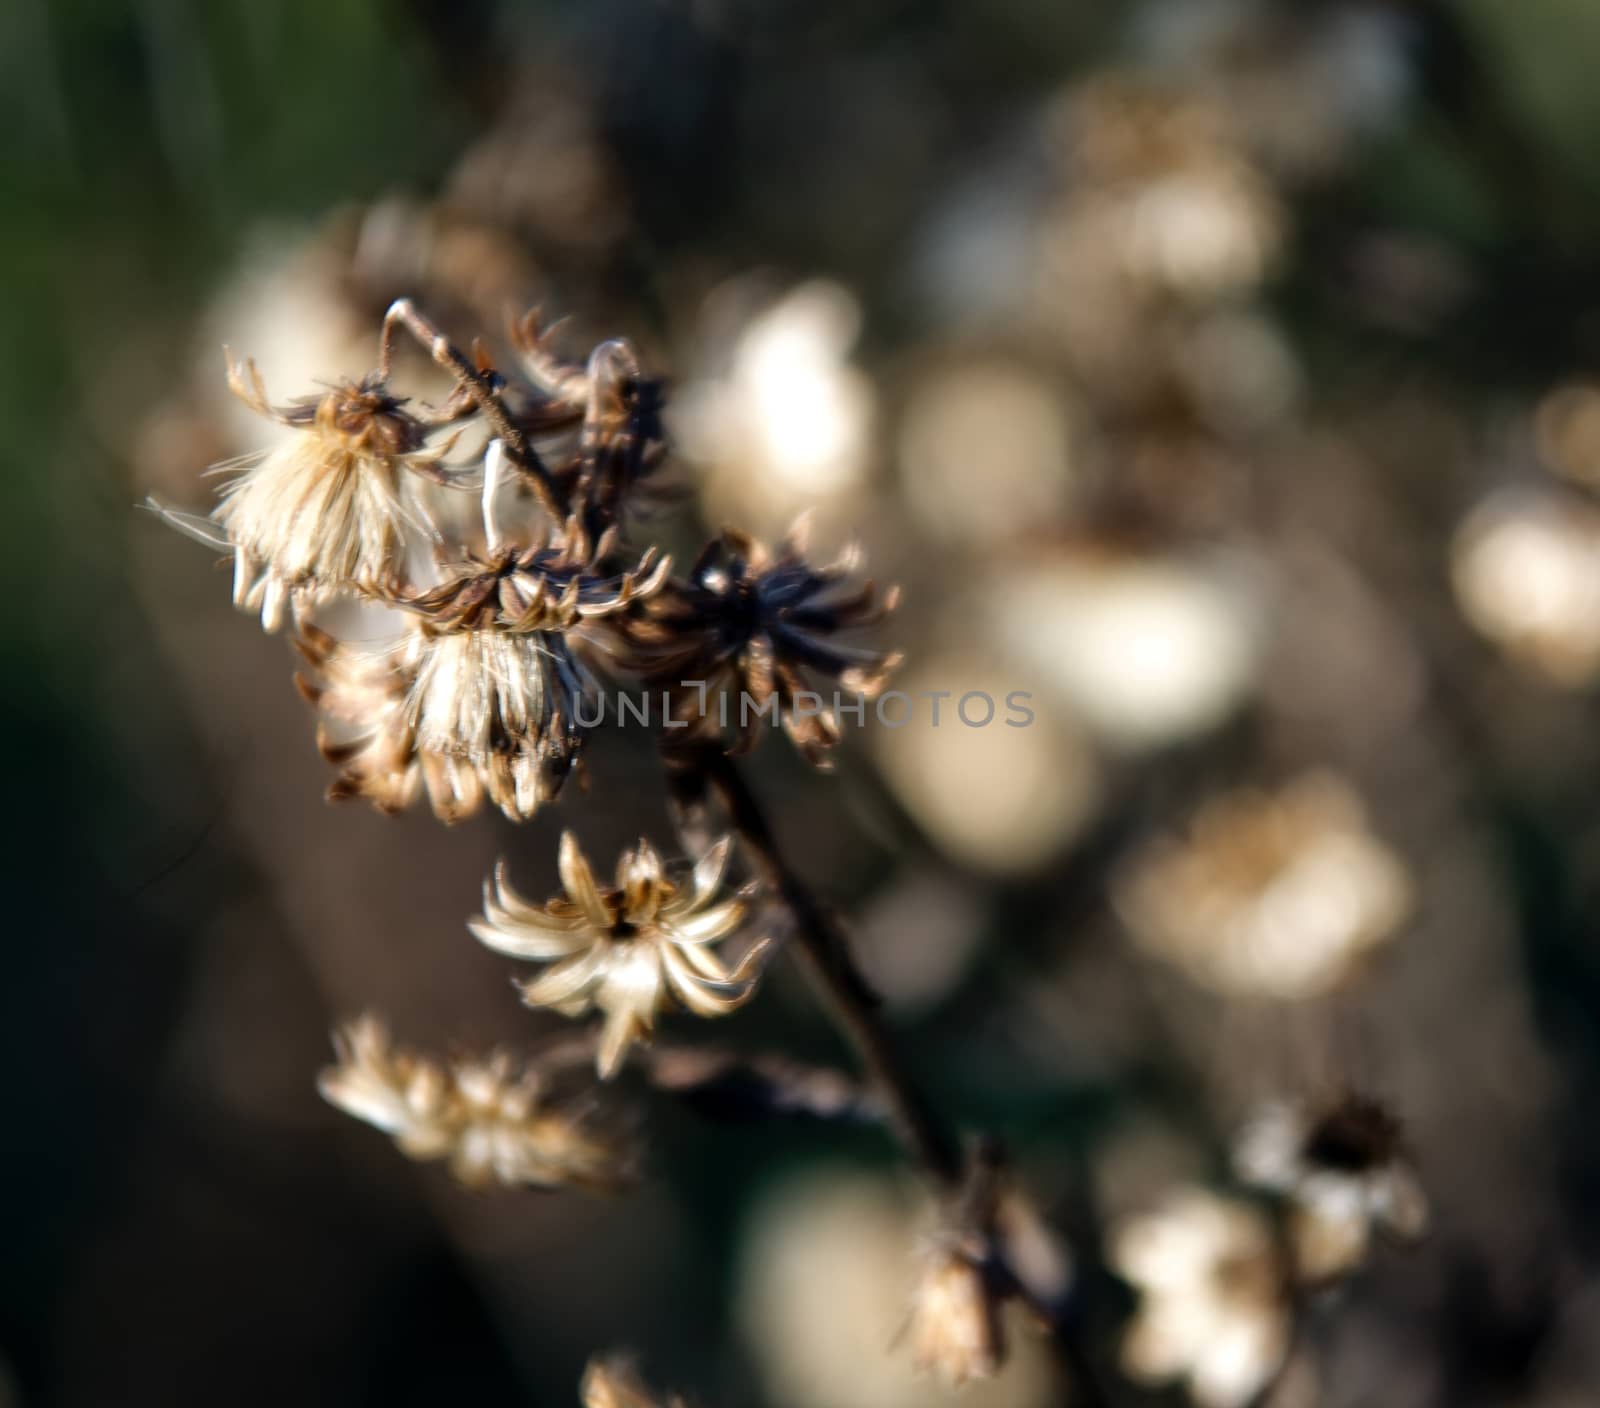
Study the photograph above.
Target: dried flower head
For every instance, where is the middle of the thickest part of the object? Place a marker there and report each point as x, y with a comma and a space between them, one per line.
1213, 1309
628, 952
1345, 1172
1269, 894
955, 1328
480, 699
330, 508
757, 623
613, 1383
494, 1125
1526, 570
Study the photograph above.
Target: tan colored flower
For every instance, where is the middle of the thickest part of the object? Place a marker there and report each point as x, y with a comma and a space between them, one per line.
612, 1383
480, 699
330, 508
955, 1329
629, 952
1269, 894
492, 1124
1212, 1304
1344, 1170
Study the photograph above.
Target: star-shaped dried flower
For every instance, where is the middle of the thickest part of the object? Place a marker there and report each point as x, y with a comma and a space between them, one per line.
760, 623
493, 1124
330, 508
630, 952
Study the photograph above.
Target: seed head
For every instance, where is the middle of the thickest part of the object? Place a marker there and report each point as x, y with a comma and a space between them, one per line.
629, 952
493, 1124
330, 508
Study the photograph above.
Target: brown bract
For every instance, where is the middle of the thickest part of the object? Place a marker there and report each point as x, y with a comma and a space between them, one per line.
629, 952
761, 626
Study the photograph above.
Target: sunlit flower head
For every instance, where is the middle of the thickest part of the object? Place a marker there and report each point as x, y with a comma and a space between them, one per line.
1345, 1172
1527, 575
492, 1123
1269, 894
643, 947
955, 1329
1212, 1305
828, 1262
329, 508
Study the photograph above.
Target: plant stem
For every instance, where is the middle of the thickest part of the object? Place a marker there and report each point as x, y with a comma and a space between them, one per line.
929, 1139
851, 1001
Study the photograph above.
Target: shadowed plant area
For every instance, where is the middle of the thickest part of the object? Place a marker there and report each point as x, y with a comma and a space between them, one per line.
767, 706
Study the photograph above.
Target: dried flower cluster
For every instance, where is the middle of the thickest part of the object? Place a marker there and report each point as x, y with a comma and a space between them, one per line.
480, 695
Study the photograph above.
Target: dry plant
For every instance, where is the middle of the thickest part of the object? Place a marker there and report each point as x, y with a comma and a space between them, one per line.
486, 691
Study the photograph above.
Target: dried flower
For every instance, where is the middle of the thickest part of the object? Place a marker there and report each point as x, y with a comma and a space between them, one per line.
482, 698
1269, 894
955, 1329
612, 1383
756, 622
492, 1124
1213, 1309
1345, 1172
328, 509
628, 952
1526, 570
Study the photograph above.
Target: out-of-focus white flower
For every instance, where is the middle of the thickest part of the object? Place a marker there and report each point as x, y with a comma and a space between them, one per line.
985, 452
1268, 894
1002, 797
789, 425
491, 1123
827, 1268
1344, 1172
1212, 1306
1147, 651
1527, 575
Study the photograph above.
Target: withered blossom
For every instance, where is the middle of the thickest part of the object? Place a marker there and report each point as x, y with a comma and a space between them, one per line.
330, 508
621, 442
1213, 1309
1269, 894
955, 1329
613, 1383
481, 698
745, 634
629, 952
492, 1123
1344, 1170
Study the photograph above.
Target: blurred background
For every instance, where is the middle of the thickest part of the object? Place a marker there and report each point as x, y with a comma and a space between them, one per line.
1224, 372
